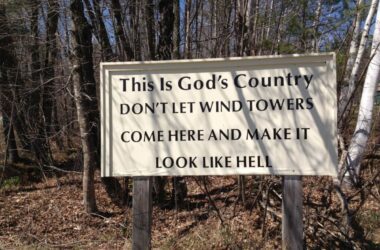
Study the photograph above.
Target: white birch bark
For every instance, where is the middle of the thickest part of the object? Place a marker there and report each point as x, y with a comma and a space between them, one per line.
250, 22
354, 41
363, 126
349, 90
263, 27
269, 17
249, 14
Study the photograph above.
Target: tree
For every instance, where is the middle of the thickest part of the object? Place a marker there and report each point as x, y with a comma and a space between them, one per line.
8, 82
363, 125
187, 49
48, 69
134, 10
85, 99
179, 192
150, 24
37, 102
121, 36
36, 119
354, 41
99, 28
347, 92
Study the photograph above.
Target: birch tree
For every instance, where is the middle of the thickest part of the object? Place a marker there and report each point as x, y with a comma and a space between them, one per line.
352, 79
187, 29
363, 126
354, 41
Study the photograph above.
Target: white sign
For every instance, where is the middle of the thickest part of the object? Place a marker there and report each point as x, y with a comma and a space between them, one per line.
232, 116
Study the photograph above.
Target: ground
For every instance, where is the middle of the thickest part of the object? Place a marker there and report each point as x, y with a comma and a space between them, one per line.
48, 213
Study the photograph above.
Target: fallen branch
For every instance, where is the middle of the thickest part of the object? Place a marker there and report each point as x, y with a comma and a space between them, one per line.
69, 244
62, 170
271, 210
367, 184
205, 190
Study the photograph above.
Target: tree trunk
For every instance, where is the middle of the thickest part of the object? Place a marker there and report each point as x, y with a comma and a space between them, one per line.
105, 44
11, 153
176, 30
111, 184
254, 39
93, 18
164, 51
240, 26
264, 22
165, 42
8, 77
37, 132
250, 25
214, 28
129, 55
199, 29
48, 100
316, 25
277, 34
346, 94
150, 25
179, 191
187, 29
354, 41
134, 12
85, 100
270, 14
363, 126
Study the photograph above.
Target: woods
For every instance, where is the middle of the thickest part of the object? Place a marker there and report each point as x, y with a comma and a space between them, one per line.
50, 51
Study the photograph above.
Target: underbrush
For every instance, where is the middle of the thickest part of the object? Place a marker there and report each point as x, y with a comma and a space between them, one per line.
48, 213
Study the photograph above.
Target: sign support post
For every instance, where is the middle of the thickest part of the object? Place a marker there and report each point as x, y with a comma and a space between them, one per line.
292, 224
142, 213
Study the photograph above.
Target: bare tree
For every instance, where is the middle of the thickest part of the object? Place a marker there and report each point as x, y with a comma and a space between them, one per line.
37, 131
105, 43
121, 36
187, 29
176, 30
48, 100
85, 99
150, 28
8, 83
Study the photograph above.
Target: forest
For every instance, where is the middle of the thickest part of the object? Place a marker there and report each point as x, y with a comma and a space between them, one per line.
51, 191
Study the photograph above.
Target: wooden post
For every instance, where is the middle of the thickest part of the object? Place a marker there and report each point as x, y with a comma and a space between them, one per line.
292, 224
142, 213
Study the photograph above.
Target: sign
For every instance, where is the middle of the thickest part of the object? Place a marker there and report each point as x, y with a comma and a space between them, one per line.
231, 116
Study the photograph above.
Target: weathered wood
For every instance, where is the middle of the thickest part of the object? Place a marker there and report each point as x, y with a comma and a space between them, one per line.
142, 213
292, 224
